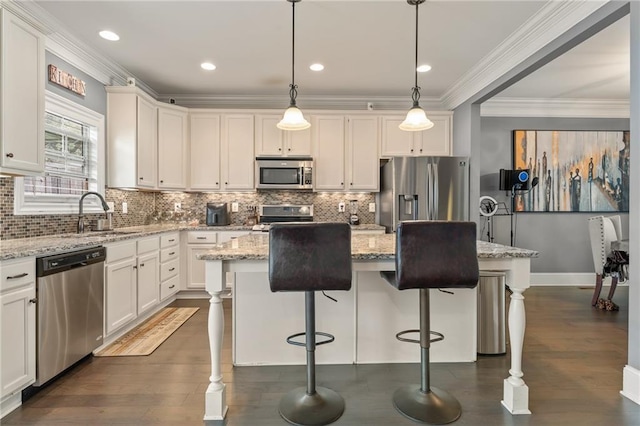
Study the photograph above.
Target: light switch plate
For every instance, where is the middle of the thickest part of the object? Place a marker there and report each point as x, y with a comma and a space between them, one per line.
372, 207
112, 206
177, 207
234, 207
125, 208
340, 207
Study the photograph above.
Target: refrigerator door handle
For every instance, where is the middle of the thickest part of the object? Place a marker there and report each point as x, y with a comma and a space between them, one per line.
436, 195
429, 195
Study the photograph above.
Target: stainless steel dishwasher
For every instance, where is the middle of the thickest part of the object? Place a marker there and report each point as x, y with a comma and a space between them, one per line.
70, 295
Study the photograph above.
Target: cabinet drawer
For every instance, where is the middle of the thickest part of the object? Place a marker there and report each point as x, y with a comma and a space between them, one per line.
17, 273
169, 287
202, 237
169, 269
169, 254
120, 251
168, 240
146, 245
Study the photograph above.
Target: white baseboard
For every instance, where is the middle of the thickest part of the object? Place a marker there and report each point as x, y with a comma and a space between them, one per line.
568, 279
631, 384
10, 403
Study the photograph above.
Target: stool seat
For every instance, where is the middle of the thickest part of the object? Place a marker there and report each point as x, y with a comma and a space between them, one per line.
310, 257
431, 255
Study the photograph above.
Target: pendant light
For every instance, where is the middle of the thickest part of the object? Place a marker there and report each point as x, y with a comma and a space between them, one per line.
416, 119
293, 118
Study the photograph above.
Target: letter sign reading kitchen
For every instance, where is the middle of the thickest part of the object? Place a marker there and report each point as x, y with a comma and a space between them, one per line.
66, 80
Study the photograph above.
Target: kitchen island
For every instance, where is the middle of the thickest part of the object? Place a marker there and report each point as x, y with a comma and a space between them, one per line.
364, 320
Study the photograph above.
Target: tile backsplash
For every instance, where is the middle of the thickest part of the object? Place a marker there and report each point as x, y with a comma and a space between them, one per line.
149, 207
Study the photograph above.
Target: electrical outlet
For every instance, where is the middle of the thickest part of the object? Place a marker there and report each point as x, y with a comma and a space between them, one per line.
177, 207
340, 207
372, 207
235, 207
125, 208
112, 206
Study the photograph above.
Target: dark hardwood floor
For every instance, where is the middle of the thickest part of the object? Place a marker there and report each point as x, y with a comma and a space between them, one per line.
574, 355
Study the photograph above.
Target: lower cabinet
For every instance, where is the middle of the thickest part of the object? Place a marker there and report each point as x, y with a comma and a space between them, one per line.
148, 291
169, 264
120, 285
18, 322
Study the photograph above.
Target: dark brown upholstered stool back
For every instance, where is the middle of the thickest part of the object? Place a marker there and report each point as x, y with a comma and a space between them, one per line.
435, 254
310, 256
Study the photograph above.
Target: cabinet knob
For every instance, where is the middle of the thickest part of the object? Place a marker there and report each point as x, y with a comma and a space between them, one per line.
135, 267
141, 265
10, 154
279, 149
341, 183
351, 184
420, 149
226, 183
141, 178
34, 300
289, 149
411, 149
163, 181
216, 183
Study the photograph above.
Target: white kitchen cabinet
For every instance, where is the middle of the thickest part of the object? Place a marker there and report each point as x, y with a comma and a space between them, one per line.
172, 147
147, 273
22, 88
273, 142
120, 285
363, 161
18, 322
433, 142
237, 159
328, 152
204, 150
198, 242
169, 264
132, 139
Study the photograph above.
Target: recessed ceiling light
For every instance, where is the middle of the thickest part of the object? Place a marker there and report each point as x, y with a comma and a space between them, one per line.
207, 66
109, 35
423, 68
316, 67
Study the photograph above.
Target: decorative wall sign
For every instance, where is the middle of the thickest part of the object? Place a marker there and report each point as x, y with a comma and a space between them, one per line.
67, 80
578, 171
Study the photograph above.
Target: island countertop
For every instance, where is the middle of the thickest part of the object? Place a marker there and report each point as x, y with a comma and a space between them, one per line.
363, 247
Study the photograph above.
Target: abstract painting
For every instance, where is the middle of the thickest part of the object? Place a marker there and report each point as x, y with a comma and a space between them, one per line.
577, 171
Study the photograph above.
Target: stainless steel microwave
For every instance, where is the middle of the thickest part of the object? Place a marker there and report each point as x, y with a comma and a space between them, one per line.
284, 173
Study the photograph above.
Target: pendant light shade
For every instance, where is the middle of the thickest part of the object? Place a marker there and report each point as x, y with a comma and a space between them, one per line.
416, 118
293, 118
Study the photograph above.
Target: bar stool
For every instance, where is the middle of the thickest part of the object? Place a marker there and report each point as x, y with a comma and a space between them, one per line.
431, 254
310, 257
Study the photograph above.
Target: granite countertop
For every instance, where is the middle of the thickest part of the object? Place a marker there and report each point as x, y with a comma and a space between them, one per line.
51, 244
363, 247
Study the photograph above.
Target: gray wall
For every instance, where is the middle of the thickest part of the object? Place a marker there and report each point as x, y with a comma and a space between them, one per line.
96, 97
561, 238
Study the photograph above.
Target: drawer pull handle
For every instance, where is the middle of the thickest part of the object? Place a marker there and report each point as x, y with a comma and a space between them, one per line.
10, 155
172, 286
172, 240
172, 253
34, 300
15, 277
172, 269
201, 238
141, 265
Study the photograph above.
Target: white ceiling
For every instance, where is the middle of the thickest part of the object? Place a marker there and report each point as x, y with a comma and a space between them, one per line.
367, 47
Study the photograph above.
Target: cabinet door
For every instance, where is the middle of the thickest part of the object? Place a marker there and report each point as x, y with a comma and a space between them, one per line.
269, 140
120, 294
172, 148
363, 160
328, 148
18, 339
195, 267
148, 281
237, 152
298, 143
22, 79
437, 140
205, 151
396, 142
147, 140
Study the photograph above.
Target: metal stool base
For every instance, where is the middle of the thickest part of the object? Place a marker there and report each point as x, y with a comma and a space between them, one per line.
437, 407
323, 407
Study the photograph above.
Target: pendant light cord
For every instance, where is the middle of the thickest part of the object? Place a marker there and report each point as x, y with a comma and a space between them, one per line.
415, 93
293, 92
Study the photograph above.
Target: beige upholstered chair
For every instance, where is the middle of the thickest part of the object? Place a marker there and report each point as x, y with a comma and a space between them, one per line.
602, 231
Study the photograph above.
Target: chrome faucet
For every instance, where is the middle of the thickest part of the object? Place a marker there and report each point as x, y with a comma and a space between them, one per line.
81, 215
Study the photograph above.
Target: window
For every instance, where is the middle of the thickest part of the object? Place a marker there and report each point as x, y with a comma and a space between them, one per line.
74, 141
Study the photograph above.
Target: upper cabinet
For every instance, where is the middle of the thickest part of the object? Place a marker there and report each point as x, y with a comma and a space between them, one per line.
328, 152
363, 160
22, 80
204, 150
237, 152
271, 141
132, 135
172, 147
433, 142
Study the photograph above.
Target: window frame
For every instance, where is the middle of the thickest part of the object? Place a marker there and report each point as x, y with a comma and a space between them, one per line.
68, 204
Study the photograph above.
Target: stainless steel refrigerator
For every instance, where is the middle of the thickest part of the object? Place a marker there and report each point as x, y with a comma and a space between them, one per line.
423, 188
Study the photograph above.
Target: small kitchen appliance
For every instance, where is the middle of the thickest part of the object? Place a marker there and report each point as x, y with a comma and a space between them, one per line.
217, 214
353, 209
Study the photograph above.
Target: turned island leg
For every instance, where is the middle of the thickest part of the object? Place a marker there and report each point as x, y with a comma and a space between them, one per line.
215, 397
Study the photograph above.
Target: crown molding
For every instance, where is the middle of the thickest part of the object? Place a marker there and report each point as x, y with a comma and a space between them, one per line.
576, 108
70, 48
306, 102
551, 21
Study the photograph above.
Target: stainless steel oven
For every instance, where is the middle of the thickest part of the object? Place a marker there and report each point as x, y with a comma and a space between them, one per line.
284, 173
